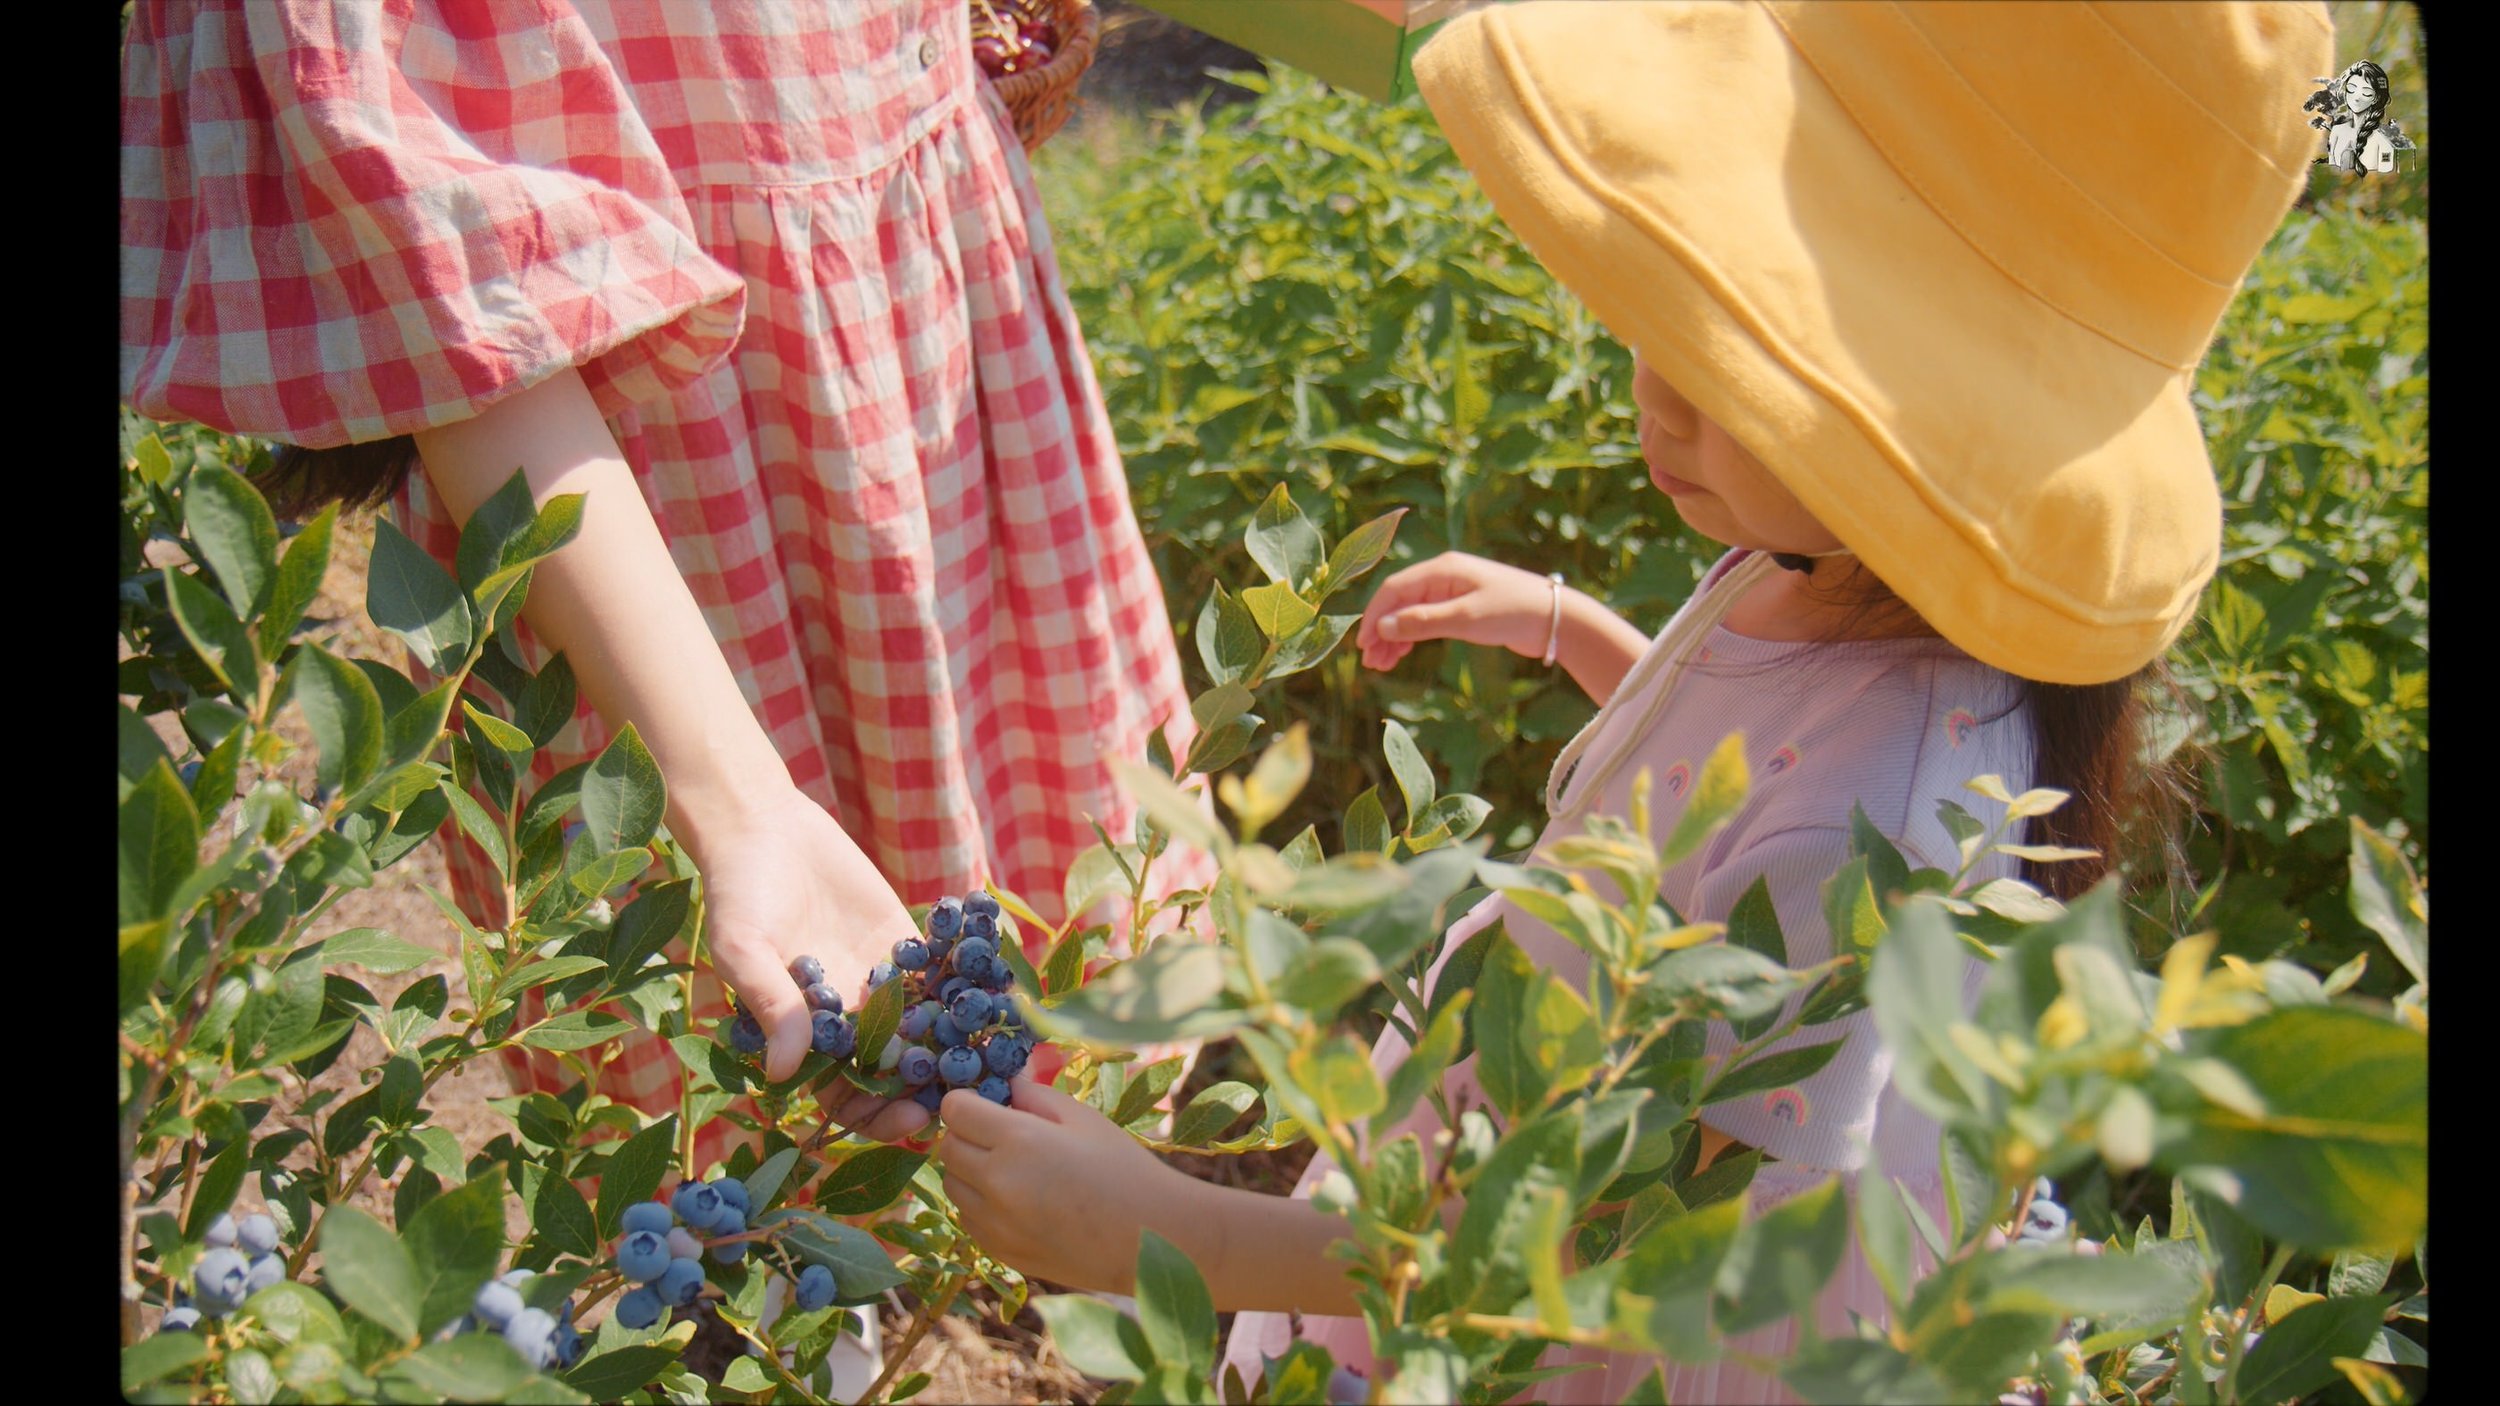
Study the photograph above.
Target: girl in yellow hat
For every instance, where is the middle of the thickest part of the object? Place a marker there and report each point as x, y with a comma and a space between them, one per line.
1914, 328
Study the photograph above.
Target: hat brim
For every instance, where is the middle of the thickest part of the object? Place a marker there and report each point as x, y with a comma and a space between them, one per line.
2038, 492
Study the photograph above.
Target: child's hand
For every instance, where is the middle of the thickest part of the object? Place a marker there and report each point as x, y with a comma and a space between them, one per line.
1056, 1189
1456, 596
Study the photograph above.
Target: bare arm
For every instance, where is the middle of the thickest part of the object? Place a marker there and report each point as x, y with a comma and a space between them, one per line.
1462, 597
781, 878
1599, 647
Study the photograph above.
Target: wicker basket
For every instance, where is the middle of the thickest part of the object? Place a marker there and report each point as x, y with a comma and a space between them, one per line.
1041, 99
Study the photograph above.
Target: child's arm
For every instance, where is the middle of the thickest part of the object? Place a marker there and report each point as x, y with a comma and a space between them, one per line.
1052, 1187
1462, 597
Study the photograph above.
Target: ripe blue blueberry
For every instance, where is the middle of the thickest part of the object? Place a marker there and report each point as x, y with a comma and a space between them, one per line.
946, 918
880, 974
981, 925
915, 1024
495, 1304
911, 954
258, 1234
959, 1066
929, 1096
514, 1277
994, 1089
974, 949
682, 1285
952, 987
982, 902
827, 1029
642, 1256
970, 1008
747, 1036
815, 1288
221, 1233
807, 971
946, 1032
568, 1345
1004, 1058
696, 1204
733, 1194
683, 1246
730, 1223
184, 1320
1000, 978
939, 947
266, 1270
641, 1308
918, 1065
654, 1216
821, 997
219, 1281
532, 1333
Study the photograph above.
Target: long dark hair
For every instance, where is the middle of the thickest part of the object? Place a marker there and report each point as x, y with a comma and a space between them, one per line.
300, 482
2091, 741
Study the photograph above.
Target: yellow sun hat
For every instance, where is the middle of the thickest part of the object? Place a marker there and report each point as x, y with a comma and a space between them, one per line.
1945, 269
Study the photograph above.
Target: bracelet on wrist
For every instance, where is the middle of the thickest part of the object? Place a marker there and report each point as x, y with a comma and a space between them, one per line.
1553, 628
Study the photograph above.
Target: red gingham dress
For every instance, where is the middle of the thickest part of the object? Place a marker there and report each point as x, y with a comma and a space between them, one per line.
797, 255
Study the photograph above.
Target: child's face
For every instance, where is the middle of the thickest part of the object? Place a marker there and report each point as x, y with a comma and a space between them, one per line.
2358, 92
1724, 492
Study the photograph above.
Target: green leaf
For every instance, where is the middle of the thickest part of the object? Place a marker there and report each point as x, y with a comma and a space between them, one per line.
1094, 1337
1664, 1294
1857, 1370
560, 1219
495, 731
1539, 1154
470, 1367
223, 644
455, 1242
1754, 924
547, 704
609, 1375
869, 1180
1916, 990
1229, 640
160, 846
1180, 815
1422, 1069
1216, 1108
1173, 1306
648, 924
411, 596
633, 1173
1775, 1070
1717, 981
1716, 796
1277, 610
1505, 994
2297, 1356
860, 1266
1362, 549
297, 582
1337, 1075
366, 1266
478, 825
608, 872
2387, 899
1406, 763
159, 1356
217, 1187
417, 725
1779, 1263
374, 950
1884, 1231
1329, 973
235, 532
623, 797
1282, 541
880, 1016
1367, 824
1144, 1088
576, 1030
496, 525
2341, 1159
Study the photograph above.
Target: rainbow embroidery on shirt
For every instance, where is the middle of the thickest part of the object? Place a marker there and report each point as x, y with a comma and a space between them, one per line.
1678, 777
1957, 725
1780, 761
1787, 1105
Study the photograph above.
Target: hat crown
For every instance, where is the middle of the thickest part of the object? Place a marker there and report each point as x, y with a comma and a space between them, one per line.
2123, 163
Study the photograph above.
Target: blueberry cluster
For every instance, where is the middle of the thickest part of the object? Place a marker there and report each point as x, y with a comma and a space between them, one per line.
959, 1027
835, 1034
664, 1259
225, 1276
542, 1339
